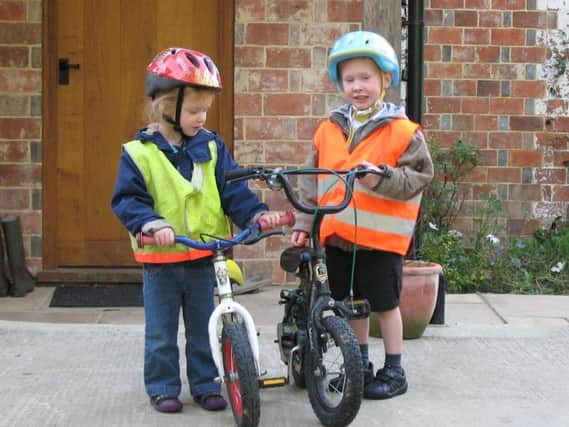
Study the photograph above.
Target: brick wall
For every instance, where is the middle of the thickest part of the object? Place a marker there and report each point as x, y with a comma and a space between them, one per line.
491, 80
20, 120
493, 77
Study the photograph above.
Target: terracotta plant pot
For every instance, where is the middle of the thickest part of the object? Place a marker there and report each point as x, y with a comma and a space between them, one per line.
418, 298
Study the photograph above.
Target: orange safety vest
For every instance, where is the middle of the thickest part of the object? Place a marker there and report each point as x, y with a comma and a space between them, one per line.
371, 220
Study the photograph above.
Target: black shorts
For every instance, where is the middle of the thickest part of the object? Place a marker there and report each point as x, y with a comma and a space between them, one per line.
377, 276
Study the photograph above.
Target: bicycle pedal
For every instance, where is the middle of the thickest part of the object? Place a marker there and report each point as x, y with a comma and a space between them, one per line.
359, 309
272, 382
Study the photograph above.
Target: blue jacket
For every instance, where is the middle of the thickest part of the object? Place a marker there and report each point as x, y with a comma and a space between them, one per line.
133, 205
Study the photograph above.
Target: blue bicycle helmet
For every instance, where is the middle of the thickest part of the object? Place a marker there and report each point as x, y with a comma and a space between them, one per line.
357, 44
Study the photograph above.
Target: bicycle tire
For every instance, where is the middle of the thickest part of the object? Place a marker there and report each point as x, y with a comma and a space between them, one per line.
297, 370
338, 354
240, 375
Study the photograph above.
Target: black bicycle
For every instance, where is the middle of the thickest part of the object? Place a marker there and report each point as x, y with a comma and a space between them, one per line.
315, 339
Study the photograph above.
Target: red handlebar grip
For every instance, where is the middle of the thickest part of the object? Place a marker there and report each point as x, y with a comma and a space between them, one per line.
286, 218
143, 240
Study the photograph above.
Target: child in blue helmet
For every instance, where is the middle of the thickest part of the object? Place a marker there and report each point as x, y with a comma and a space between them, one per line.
171, 181
368, 131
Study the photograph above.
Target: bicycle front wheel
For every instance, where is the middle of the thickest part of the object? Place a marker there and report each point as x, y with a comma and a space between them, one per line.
240, 375
333, 373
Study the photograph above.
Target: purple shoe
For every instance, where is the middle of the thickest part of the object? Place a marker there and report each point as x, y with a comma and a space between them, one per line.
166, 403
211, 402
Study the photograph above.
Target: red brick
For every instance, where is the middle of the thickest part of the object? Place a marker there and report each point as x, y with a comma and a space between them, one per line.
14, 199
477, 71
432, 53
433, 17
12, 80
464, 88
488, 158
447, 4
509, 4
431, 87
306, 127
294, 104
506, 105
317, 82
12, 10
20, 33
476, 36
463, 54
19, 175
475, 105
488, 54
444, 71
267, 34
268, 80
238, 129
443, 105
280, 153
560, 193
462, 122
551, 176
443, 138
264, 128
553, 140
250, 10
479, 139
14, 56
508, 37
431, 121
526, 158
288, 57
248, 104
14, 151
507, 71
11, 128
505, 140
529, 54
489, 18
562, 124
249, 56
249, 152
484, 122
345, 11
488, 88
530, 19
524, 192
502, 174
320, 34
527, 123
466, 18
31, 222
444, 35
288, 10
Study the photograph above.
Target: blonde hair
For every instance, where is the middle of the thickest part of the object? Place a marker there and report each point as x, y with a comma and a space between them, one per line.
165, 102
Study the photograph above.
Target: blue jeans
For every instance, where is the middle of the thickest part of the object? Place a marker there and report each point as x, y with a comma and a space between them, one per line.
167, 288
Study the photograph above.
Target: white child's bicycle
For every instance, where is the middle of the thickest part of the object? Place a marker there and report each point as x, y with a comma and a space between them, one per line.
232, 332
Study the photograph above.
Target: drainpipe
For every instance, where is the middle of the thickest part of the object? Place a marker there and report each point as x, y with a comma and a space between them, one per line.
415, 60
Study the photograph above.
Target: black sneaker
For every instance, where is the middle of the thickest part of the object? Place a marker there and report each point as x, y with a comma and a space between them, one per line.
336, 385
389, 382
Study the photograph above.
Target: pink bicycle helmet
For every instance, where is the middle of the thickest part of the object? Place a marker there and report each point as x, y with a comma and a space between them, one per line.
178, 67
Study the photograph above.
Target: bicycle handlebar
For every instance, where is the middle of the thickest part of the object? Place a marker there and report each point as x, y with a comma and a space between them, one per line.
278, 178
249, 235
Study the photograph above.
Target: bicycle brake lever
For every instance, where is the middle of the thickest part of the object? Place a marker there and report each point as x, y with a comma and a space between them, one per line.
257, 235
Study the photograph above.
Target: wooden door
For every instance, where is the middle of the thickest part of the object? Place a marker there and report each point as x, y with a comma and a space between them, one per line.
108, 44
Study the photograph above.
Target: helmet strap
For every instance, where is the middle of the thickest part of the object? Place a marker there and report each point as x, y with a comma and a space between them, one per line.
176, 121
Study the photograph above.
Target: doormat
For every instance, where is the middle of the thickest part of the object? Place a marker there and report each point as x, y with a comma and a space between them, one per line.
97, 296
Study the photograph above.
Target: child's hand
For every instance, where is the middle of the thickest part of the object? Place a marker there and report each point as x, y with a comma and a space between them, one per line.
271, 219
369, 180
299, 238
164, 237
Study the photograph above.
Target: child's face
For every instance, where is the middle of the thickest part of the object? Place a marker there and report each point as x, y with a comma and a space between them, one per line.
362, 82
194, 110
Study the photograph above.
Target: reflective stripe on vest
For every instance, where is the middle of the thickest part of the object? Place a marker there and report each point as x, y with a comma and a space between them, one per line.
371, 220
192, 208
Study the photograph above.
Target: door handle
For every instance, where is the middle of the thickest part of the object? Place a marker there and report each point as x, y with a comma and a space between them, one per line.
64, 67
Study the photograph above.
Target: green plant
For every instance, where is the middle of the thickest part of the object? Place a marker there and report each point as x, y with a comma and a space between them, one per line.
479, 261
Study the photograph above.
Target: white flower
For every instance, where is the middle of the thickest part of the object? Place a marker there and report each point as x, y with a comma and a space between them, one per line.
433, 226
492, 239
558, 268
456, 234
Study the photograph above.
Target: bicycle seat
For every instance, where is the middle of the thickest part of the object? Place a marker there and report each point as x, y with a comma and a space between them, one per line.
292, 257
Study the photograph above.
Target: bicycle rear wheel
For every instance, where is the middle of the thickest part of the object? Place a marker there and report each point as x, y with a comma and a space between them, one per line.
240, 375
338, 359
